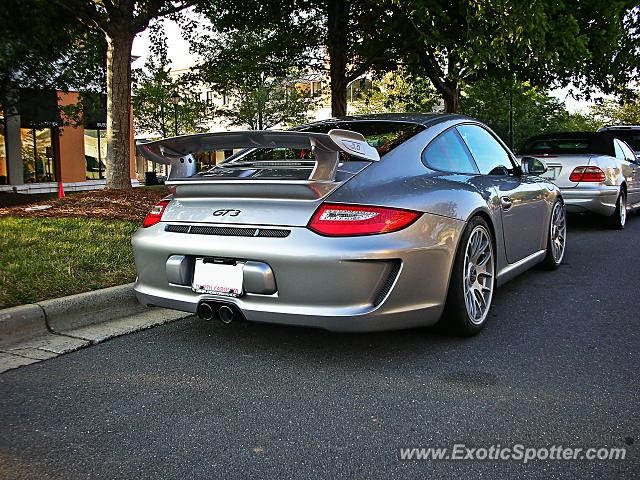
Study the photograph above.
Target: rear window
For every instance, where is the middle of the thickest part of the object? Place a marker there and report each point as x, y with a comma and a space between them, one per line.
557, 145
383, 136
570, 143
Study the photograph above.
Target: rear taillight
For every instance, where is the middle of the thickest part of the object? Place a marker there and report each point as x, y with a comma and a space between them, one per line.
587, 174
155, 215
335, 220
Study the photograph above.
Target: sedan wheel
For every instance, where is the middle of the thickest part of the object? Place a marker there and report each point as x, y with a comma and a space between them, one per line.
472, 280
619, 218
622, 206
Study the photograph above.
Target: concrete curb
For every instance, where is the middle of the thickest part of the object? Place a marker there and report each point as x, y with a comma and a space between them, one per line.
89, 308
21, 323
67, 313
35, 332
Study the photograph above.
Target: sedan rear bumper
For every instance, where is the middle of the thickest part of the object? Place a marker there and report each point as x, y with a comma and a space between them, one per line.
380, 282
598, 199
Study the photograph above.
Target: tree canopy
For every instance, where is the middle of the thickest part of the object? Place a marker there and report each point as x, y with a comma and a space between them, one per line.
118, 21
263, 105
43, 48
591, 43
344, 38
154, 85
397, 91
611, 112
534, 110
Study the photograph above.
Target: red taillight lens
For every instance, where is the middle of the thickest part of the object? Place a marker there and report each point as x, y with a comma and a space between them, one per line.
587, 174
337, 220
155, 215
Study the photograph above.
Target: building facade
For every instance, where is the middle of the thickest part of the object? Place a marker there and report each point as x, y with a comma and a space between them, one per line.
38, 148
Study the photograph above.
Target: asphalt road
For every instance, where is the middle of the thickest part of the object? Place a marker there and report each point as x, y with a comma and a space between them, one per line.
558, 364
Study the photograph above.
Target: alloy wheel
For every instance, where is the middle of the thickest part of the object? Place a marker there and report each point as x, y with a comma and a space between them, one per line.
478, 275
558, 232
623, 209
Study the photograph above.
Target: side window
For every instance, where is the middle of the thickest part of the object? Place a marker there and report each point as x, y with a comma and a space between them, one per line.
628, 154
618, 149
489, 155
447, 153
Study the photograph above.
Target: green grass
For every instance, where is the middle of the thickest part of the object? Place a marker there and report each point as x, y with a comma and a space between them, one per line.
156, 187
43, 258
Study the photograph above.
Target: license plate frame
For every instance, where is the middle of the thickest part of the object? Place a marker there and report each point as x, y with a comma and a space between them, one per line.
218, 277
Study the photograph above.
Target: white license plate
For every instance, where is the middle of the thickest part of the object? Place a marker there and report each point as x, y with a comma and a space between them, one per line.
217, 278
552, 173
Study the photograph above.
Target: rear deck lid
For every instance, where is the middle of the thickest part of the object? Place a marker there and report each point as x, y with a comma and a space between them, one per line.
564, 151
560, 167
279, 178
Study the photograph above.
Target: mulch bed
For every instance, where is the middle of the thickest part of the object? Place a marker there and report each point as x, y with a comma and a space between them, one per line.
130, 205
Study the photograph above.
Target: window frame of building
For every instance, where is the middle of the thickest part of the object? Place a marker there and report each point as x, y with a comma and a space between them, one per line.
51, 163
4, 161
101, 170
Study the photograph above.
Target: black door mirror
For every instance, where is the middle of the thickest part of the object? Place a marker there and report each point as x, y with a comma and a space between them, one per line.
533, 166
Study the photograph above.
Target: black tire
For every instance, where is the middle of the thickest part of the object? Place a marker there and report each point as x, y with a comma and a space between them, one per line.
550, 261
456, 318
617, 221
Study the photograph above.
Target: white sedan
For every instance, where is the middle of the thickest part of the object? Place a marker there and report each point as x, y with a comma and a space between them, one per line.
596, 172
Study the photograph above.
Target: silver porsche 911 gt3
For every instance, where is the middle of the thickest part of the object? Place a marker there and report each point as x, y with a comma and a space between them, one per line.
355, 224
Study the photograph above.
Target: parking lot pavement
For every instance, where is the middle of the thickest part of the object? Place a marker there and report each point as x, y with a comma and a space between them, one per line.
557, 365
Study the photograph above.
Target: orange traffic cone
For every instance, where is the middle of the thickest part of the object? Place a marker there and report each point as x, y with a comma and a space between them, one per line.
60, 189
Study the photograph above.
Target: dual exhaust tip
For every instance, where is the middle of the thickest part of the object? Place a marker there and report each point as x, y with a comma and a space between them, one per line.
226, 313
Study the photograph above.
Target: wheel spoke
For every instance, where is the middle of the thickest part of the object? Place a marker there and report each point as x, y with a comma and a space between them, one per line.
478, 274
471, 307
484, 261
488, 280
480, 301
482, 248
557, 232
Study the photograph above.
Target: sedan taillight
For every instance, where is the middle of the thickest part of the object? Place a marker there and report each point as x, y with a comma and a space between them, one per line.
587, 174
155, 215
336, 220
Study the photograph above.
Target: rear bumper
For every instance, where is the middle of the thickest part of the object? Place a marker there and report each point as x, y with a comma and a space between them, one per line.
598, 199
379, 282
329, 319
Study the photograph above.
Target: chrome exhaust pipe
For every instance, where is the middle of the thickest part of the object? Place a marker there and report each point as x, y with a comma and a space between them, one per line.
205, 312
226, 314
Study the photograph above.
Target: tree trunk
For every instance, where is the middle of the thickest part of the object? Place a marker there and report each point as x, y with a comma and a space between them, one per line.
338, 96
447, 87
337, 26
118, 110
451, 97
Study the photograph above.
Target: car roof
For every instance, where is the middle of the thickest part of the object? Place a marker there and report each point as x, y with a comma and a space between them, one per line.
574, 134
426, 119
619, 127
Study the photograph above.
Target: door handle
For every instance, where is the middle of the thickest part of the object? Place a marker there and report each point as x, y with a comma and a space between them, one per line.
506, 203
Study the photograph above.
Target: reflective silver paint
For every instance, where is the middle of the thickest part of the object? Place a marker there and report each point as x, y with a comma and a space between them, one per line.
379, 282
599, 198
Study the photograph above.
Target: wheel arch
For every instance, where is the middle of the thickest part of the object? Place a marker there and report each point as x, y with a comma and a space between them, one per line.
487, 217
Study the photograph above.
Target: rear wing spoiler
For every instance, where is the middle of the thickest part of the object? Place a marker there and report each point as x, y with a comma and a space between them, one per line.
178, 151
